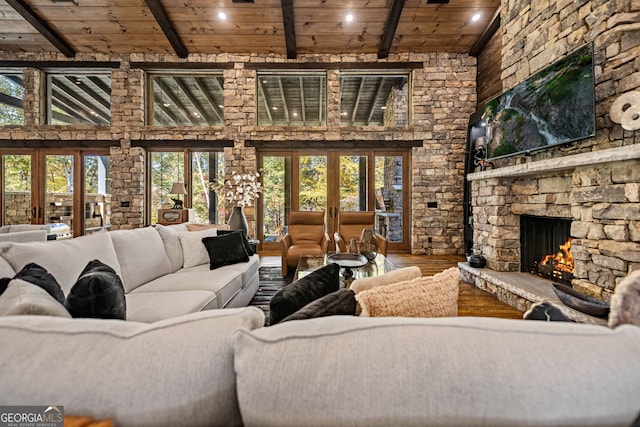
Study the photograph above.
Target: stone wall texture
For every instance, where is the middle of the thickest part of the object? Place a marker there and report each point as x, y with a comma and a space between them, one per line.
442, 96
601, 199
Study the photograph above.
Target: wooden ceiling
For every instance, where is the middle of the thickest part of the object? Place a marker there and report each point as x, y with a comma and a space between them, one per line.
286, 27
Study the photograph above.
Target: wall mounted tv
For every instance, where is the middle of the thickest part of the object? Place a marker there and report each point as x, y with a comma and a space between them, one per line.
554, 106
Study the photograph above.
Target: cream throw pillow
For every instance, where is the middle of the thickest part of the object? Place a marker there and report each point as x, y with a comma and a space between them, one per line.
433, 296
394, 276
193, 250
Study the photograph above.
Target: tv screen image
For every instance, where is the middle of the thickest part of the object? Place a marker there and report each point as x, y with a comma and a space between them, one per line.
554, 106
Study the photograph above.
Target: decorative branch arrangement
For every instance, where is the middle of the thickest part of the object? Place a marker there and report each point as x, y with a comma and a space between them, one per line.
241, 189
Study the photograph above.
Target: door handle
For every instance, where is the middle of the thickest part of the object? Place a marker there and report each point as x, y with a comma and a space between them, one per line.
39, 211
33, 212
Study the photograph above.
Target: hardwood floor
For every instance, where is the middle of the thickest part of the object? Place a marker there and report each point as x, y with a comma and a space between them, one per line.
471, 301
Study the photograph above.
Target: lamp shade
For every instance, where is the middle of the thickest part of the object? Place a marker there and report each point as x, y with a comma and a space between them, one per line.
178, 188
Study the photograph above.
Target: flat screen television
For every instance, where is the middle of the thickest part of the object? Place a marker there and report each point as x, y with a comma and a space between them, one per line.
554, 106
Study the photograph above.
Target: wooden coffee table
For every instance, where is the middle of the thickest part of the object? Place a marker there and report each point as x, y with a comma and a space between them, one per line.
377, 267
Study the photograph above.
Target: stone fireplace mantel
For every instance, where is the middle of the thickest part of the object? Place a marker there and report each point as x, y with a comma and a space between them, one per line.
617, 154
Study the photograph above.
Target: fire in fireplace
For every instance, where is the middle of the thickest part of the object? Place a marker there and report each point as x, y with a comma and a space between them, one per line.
540, 239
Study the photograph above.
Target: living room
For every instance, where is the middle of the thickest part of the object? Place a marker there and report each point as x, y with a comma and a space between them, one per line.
452, 65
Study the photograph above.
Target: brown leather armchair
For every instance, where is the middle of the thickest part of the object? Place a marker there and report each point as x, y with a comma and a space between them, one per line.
306, 235
351, 225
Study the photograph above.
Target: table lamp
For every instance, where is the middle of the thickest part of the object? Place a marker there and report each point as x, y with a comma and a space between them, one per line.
178, 188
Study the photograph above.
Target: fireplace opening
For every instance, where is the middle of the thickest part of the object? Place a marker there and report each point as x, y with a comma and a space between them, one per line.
545, 248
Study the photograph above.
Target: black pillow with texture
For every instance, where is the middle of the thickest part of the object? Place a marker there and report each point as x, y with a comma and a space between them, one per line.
226, 249
98, 293
341, 302
245, 240
39, 276
293, 297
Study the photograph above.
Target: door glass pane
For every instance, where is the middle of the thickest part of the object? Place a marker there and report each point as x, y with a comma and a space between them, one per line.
206, 167
313, 183
353, 183
59, 193
389, 202
17, 189
166, 168
276, 179
97, 197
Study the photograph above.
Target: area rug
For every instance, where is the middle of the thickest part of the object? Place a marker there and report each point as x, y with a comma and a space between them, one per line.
271, 281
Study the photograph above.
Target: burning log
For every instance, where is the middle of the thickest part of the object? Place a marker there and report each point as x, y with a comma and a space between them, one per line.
557, 267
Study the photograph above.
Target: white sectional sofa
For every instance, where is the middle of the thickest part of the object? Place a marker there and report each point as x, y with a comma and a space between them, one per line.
150, 262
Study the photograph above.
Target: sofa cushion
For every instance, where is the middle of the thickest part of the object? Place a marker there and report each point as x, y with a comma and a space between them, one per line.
245, 240
141, 254
340, 302
39, 276
5, 269
154, 306
296, 295
393, 276
21, 297
172, 245
177, 372
64, 259
226, 249
193, 249
434, 296
625, 302
247, 269
225, 283
441, 371
98, 293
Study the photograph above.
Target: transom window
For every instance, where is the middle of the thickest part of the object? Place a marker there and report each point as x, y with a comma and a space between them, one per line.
79, 99
11, 95
374, 98
292, 98
186, 99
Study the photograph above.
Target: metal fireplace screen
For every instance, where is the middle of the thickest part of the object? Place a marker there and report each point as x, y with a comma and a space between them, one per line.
540, 238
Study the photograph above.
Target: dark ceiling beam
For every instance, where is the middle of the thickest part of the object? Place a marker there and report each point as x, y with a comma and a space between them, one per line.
69, 106
160, 13
356, 104
101, 84
10, 100
486, 35
265, 100
212, 102
289, 28
204, 114
372, 110
76, 100
284, 100
92, 94
303, 113
176, 101
43, 27
390, 28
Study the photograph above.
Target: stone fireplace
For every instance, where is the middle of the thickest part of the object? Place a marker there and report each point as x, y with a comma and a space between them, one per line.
595, 195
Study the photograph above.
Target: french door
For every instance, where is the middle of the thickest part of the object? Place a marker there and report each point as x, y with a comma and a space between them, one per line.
69, 189
334, 181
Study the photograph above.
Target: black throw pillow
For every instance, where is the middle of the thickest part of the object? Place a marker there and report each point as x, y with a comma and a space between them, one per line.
226, 249
245, 240
39, 276
4, 282
98, 293
293, 297
341, 302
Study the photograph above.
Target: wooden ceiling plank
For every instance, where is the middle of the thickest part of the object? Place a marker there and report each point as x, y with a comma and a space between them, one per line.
204, 115
61, 101
214, 105
372, 110
486, 35
93, 94
390, 28
43, 27
85, 104
160, 14
289, 28
181, 108
266, 101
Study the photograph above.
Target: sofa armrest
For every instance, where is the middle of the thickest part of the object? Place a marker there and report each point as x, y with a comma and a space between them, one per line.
285, 244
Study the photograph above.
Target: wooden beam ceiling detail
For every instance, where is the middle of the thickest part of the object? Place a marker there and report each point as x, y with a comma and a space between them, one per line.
486, 35
390, 28
161, 16
43, 27
289, 28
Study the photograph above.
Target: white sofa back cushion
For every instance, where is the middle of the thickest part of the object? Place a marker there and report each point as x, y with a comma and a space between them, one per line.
5, 268
176, 372
141, 255
64, 259
193, 250
172, 245
445, 371
22, 297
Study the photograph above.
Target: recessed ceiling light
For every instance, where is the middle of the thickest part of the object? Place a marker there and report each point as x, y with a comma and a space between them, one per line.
274, 108
220, 105
349, 17
476, 17
383, 107
222, 15
295, 114
166, 104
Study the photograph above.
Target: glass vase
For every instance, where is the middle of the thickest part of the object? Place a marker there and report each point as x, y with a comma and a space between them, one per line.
237, 220
368, 243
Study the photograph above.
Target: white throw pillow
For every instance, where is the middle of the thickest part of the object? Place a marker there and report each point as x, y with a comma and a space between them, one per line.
193, 250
